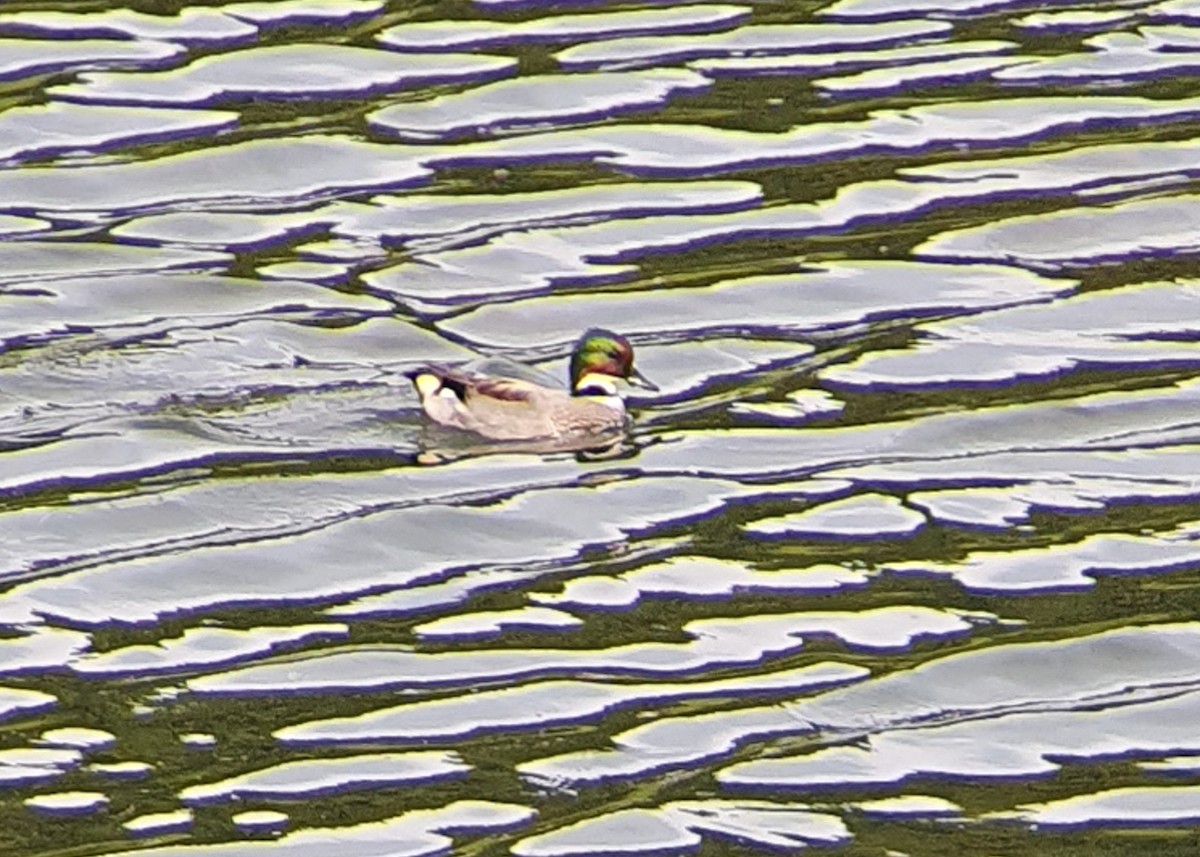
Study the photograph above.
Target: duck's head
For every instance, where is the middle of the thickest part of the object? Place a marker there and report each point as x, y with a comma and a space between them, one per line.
600, 359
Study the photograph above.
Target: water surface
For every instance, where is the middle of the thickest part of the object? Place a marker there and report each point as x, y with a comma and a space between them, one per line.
901, 559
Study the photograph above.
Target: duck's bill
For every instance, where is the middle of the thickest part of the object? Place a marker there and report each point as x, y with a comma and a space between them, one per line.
637, 379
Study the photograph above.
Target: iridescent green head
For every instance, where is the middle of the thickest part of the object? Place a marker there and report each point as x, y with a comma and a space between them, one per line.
607, 355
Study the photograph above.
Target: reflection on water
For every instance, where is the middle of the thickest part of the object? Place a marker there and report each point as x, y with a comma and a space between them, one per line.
900, 559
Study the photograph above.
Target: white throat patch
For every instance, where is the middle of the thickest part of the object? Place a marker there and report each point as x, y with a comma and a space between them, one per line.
597, 384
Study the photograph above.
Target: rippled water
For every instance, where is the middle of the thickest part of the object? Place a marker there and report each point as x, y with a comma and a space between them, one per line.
901, 560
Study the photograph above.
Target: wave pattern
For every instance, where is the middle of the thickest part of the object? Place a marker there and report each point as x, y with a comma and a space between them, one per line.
902, 556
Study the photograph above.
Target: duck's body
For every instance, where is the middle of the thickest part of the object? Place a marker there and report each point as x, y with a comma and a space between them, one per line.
500, 407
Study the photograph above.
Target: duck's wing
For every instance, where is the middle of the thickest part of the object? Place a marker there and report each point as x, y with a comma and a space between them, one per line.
469, 385
498, 389
502, 367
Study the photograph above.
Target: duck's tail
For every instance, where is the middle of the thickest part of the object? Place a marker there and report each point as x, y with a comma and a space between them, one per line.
432, 380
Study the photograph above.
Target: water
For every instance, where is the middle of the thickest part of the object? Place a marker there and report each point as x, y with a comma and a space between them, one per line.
901, 559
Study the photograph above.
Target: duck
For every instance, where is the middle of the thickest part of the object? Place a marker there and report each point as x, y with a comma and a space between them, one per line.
511, 404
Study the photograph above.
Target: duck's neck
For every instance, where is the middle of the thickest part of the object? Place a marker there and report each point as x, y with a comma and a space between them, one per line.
596, 384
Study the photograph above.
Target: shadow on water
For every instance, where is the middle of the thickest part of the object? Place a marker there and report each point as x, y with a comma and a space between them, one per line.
901, 558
